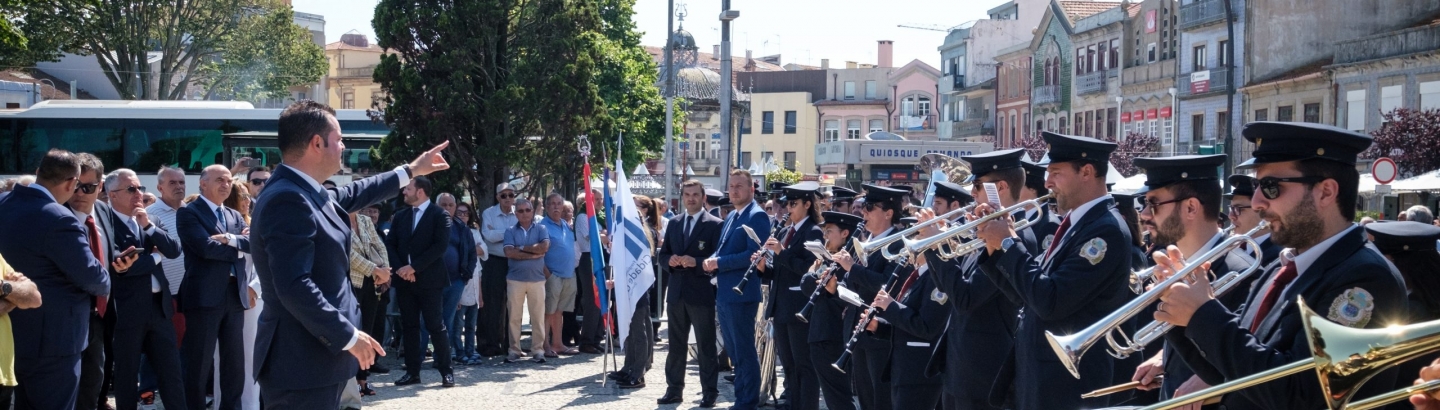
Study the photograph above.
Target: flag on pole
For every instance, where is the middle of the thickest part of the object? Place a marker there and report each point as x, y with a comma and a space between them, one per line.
629, 255
597, 253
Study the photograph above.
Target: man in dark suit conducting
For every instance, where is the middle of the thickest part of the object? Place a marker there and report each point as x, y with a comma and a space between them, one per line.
417, 242
301, 243
216, 291
65, 268
691, 300
736, 312
141, 297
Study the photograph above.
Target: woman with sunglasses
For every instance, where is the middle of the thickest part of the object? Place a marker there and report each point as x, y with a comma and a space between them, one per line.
871, 353
784, 272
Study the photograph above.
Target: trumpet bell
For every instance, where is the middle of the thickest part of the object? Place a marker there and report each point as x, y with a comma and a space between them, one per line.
1070, 348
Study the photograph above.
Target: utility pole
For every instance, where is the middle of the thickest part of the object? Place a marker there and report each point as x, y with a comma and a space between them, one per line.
726, 16
670, 103
1229, 96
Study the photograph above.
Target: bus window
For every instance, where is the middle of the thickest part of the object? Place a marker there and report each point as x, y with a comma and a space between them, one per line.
268, 156
190, 145
357, 161
36, 136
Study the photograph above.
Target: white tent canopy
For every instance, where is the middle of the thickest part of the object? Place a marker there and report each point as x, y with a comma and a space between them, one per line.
1128, 185
1429, 181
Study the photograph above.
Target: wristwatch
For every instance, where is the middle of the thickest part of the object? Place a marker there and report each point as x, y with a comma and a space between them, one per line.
406, 167
1005, 244
5, 288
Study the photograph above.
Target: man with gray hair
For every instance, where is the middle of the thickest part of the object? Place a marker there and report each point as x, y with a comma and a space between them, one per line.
171, 186
1418, 213
525, 245
216, 290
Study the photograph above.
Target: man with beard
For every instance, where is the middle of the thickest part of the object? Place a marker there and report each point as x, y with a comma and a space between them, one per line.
1307, 184
1244, 218
1182, 207
1071, 285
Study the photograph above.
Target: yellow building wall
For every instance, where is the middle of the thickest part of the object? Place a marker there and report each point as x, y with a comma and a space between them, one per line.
801, 142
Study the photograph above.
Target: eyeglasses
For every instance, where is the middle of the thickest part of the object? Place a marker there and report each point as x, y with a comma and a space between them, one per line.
507, 196
1237, 209
87, 189
524, 211
1151, 204
258, 181
138, 189
1270, 186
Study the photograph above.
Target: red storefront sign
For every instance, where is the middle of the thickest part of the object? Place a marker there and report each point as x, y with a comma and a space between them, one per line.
1165, 112
1139, 115
1125, 116
1151, 114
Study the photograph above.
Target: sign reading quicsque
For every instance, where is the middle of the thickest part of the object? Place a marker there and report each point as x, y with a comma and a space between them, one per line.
890, 153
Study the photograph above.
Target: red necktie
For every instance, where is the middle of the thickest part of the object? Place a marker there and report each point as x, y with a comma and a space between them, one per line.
1059, 233
94, 235
909, 280
1283, 278
789, 236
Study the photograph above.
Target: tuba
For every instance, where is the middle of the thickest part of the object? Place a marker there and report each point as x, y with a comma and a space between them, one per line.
765, 345
955, 170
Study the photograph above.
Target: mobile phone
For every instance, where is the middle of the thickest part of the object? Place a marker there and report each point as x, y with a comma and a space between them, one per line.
128, 253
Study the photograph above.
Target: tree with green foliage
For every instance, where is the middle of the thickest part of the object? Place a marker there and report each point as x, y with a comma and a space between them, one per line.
263, 58
513, 84
153, 49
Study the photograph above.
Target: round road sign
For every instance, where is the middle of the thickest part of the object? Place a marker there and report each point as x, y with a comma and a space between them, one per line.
1384, 170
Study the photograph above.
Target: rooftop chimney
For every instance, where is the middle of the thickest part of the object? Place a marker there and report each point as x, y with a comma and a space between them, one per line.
357, 40
851, 65
747, 55
824, 64
886, 54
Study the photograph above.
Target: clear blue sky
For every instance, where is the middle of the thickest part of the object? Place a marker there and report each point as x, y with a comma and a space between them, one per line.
804, 31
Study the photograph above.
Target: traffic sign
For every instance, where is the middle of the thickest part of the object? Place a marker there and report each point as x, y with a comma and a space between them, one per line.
1384, 170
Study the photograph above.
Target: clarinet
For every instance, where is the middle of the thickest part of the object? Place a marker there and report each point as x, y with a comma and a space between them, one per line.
764, 258
869, 315
829, 269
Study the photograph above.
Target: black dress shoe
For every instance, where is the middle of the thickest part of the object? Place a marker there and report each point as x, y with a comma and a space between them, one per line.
378, 369
669, 398
447, 380
615, 376
590, 350
730, 378
632, 383
408, 379
708, 402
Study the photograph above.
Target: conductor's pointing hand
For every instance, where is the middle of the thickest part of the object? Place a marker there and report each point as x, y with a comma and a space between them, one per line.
430, 161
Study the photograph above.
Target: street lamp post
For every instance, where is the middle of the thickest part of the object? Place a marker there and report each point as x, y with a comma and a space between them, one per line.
726, 16
1174, 111
1119, 126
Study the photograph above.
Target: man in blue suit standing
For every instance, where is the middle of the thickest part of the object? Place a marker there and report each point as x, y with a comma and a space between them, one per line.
59, 259
307, 346
736, 312
215, 293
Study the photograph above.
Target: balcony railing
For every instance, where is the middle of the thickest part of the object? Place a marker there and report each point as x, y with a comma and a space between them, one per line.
1219, 82
365, 72
1201, 12
1045, 94
1397, 43
1148, 72
912, 123
1093, 82
973, 127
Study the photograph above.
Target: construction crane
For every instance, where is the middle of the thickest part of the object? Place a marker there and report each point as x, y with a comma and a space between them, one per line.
931, 27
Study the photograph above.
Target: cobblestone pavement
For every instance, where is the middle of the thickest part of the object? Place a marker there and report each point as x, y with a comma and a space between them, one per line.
571, 382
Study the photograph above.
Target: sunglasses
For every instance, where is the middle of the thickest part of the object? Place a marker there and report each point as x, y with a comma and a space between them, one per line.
794, 202
258, 181
1151, 204
138, 189
507, 196
871, 206
1270, 186
87, 189
1237, 209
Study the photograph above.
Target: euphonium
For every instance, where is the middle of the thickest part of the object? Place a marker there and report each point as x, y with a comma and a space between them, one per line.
1344, 358
864, 249
1071, 348
945, 244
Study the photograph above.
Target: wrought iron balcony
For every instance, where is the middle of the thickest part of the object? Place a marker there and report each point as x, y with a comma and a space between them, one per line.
1219, 82
1200, 13
1045, 94
1091, 82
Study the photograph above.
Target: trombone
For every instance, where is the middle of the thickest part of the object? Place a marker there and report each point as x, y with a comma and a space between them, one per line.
1344, 358
1072, 347
946, 243
864, 249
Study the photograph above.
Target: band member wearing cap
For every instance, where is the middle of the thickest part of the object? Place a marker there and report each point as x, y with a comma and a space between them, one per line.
691, 298
871, 352
827, 323
1244, 218
981, 333
1182, 206
1307, 185
841, 198
736, 312
1035, 188
918, 315
1070, 286
784, 271
1002, 168
1411, 247
712, 201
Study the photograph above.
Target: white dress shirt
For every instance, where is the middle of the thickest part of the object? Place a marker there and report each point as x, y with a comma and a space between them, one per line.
174, 268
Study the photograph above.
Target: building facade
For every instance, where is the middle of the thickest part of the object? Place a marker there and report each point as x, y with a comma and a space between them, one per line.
1147, 87
1377, 74
1012, 95
1205, 78
351, 82
1097, 44
782, 129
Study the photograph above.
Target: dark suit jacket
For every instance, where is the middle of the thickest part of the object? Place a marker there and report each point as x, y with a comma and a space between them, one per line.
43, 240
1176, 372
982, 328
918, 320
130, 291
1224, 349
735, 250
1063, 295
867, 280
422, 249
787, 268
209, 263
690, 285
827, 316
301, 242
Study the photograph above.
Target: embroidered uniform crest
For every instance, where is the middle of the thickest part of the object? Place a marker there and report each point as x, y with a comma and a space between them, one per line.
939, 297
702, 245
1094, 251
1048, 240
1352, 308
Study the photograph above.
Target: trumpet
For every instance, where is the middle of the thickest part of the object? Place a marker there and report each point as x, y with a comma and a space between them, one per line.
869, 315
828, 269
1153, 331
864, 249
946, 243
1071, 348
1344, 358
